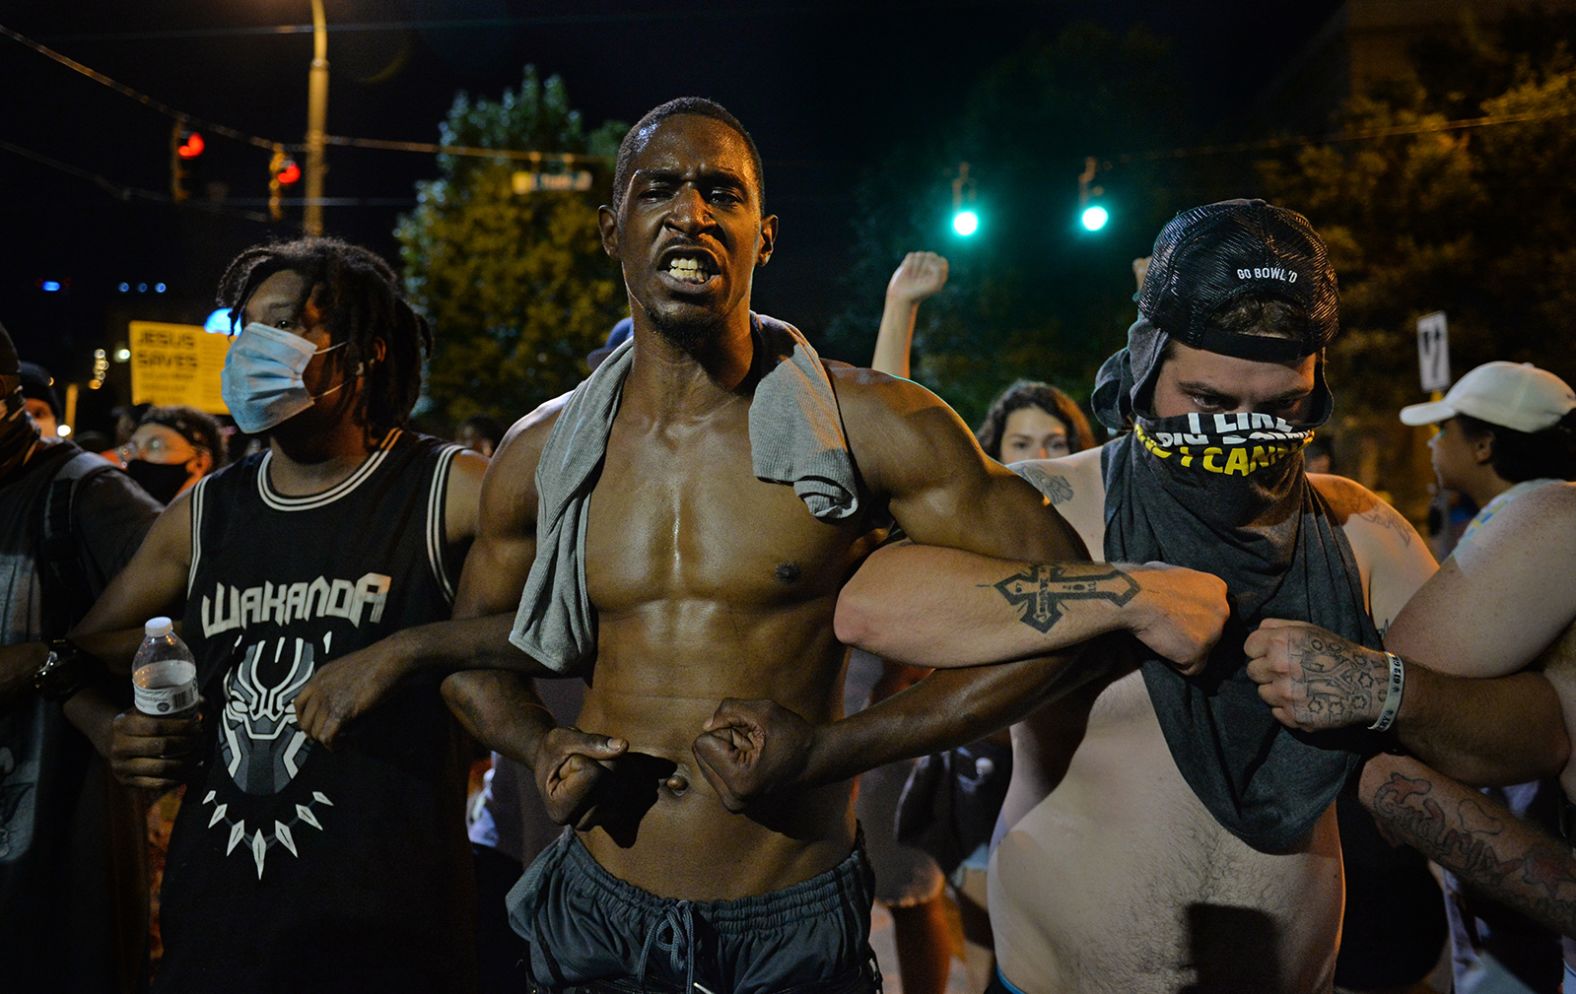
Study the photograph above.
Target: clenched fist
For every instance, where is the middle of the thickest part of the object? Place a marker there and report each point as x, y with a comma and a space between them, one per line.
1179, 613
1313, 679
569, 765
749, 748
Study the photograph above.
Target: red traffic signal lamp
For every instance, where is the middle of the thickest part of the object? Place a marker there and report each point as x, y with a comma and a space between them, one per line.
186, 146
282, 172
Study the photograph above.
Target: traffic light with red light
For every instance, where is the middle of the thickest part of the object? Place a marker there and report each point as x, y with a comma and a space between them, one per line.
282, 172
186, 147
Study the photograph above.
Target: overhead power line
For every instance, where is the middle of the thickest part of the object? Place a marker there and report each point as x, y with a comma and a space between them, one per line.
121, 191
137, 95
268, 144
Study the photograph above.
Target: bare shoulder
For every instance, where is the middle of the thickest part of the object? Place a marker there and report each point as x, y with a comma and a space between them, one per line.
1393, 560
1551, 508
523, 443
1536, 531
468, 468
867, 393
1363, 514
463, 495
1075, 486
899, 432
508, 494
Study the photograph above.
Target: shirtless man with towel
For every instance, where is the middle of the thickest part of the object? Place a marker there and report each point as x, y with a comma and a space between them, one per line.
715, 846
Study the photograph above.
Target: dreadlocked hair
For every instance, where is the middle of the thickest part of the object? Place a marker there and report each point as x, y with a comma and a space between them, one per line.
361, 302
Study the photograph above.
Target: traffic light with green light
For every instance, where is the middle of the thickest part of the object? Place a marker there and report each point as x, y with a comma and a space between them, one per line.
1092, 213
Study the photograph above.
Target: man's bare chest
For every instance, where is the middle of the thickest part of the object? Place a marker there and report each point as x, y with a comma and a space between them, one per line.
683, 516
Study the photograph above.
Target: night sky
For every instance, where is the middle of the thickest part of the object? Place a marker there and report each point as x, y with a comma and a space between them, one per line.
824, 87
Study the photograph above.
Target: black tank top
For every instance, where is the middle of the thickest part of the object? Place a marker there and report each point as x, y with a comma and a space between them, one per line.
292, 867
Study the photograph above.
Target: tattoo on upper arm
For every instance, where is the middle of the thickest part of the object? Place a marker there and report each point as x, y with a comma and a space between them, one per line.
1385, 516
1053, 485
1463, 836
1041, 590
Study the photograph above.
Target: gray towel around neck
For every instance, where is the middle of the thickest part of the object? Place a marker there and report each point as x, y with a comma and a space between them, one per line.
796, 438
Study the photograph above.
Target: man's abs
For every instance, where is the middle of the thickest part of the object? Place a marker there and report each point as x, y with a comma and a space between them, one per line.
661, 826
1118, 879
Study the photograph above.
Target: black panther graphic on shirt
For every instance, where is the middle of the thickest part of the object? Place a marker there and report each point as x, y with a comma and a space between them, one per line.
293, 867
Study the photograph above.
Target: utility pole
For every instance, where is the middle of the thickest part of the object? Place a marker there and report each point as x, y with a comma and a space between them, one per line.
316, 121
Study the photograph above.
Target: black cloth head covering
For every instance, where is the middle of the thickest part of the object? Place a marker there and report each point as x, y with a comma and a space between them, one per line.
1209, 258
1205, 261
1269, 535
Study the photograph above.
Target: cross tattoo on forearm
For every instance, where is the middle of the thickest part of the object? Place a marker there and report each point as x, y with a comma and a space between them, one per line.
1041, 590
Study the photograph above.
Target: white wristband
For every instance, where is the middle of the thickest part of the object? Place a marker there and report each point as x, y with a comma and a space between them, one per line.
1392, 695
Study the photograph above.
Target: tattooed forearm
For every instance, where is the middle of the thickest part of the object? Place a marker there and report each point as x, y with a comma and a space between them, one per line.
1040, 591
1345, 683
1478, 840
1054, 486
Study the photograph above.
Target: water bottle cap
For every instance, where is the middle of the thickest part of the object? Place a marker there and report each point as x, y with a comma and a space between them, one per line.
157, 627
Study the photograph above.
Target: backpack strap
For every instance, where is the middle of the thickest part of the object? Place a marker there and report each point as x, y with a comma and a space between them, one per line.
67, 583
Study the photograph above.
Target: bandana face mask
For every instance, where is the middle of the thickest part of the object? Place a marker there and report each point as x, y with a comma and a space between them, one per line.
1230, 470
262, 380
1226, 445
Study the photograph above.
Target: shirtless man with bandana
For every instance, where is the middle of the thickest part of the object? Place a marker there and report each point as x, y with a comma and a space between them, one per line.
1162, 832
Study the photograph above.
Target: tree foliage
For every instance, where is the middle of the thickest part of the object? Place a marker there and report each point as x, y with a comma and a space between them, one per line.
1479, 223
516, 286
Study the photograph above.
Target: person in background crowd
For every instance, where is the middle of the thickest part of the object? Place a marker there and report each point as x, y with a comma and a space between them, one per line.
1319, 456
167, 453
172, 449
127, 418
1032, 420
623, 328
70, 919
43, 401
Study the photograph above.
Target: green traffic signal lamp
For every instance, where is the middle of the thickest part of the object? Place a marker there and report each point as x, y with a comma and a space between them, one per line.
966, 223
1094, 217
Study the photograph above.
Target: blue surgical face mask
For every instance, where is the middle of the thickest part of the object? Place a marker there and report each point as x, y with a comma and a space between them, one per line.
262, 380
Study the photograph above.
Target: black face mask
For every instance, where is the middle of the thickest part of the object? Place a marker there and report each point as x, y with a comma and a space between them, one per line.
162, 481
17, 434
1227, 469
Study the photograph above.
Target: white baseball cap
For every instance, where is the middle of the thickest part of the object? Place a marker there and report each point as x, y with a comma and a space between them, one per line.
1519, 396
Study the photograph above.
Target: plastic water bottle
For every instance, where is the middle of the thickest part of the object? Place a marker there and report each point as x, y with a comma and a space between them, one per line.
164, 673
